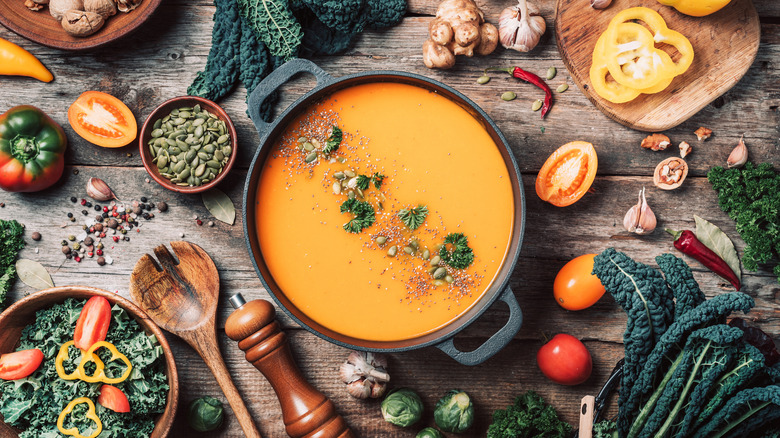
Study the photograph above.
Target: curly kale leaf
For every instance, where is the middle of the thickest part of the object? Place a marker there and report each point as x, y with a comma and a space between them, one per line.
274, 24
649, 303
706, 353
679, 277
705, 314
529, 417
746, 411
11, 242
751, 197
605, 429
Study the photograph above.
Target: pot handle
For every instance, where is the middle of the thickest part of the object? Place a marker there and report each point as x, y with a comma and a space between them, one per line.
275, 80
495, 343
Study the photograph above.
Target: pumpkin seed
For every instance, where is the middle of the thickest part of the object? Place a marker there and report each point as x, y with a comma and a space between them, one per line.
302, 139
184, 174
336, 188
551, 72
204, 156
209, 149
199, 121
157, 133
162, 161
536, 105
426, 254
218, 155
380, 240
435, 260
157, 124
198, 132
179, 167
308, 146
213, 164
392, 251
170, 142
339, 175
440, 273
311, 157
184, 114
561, 88
414, 244
508, 95
200, 169
409, 250
449, 279
227, 150
195, 162
482, 80
350, 173
190, 155
352, 195
222, 138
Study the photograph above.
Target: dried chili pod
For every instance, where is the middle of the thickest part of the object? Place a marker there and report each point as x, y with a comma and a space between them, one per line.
531, 78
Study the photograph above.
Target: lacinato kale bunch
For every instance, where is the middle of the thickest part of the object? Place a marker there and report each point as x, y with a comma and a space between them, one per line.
694, 376
751, 197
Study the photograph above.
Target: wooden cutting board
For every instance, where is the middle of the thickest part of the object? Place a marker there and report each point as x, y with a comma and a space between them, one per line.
724, 43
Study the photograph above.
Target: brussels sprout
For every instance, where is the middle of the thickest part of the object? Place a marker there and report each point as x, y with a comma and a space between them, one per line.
402, 407
206, 413
454, 412
429, 432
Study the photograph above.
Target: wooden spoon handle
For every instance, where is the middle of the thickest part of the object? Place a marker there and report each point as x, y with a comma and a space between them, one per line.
586, 416
307, 413
208, 348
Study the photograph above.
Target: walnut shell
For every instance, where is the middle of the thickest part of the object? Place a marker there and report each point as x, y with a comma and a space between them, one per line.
81, 23
57, 8
127, 5
670, 173
105, 8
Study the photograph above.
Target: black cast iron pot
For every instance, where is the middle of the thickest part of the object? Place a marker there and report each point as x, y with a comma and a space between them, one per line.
443, 337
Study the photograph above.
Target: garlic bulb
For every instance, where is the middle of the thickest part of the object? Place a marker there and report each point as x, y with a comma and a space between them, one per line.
739, 155
640, 219
365, 375
520, 27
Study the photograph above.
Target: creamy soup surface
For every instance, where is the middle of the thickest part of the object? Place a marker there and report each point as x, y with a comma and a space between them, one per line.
431, 152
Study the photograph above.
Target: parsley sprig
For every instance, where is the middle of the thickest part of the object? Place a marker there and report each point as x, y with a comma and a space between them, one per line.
378, 178
461, 256
413, 217
334, 141
363, 182
364, 215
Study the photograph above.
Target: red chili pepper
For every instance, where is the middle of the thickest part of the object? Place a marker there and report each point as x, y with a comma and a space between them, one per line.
529, 77
687, 242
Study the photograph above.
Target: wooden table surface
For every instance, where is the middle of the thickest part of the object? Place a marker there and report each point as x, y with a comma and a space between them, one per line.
160, 61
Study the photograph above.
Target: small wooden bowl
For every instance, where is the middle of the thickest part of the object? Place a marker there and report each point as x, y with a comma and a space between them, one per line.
42, 28
163, 110
22, 313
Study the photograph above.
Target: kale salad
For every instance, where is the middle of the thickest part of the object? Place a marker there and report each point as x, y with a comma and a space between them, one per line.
35, 403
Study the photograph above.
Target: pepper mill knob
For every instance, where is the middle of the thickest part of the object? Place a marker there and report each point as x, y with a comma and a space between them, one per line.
307, 413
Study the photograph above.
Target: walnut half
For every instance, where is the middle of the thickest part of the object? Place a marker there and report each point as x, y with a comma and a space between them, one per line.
81, 23
656, 142
670, 173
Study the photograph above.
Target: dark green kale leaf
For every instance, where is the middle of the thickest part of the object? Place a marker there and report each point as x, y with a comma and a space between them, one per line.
461, 255
529, 417
364, 215
605, 429
746, 411
679, 277
11, 242
221, 71
274, 24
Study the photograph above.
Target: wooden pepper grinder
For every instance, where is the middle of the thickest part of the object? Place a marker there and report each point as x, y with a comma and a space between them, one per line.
307, 412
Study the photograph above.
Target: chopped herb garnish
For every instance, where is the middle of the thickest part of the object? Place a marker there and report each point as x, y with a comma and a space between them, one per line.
364, 215
378, 178
333, 142
461, 256
363, 182
413, 217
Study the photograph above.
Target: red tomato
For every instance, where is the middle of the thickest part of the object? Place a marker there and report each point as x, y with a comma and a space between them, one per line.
113, 398
102, 119
93, 322
567, 174
565, 360
575, 288
20, 364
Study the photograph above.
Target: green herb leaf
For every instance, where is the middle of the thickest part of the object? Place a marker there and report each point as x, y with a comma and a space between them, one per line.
364, 215
33, 274
363, 182
715, 239
413, 217
220, 205
461, 255
334, 141
273, 23
378, 178
11, 242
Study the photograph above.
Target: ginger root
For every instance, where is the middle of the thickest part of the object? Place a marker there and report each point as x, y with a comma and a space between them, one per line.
458, 29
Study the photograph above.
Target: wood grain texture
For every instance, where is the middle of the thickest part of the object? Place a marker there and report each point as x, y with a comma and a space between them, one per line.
42, 28
725, 44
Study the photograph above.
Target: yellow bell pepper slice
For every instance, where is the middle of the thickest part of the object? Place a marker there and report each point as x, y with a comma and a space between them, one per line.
661, 34
91, 414
696, 8
632, 58
100, 375
62, 356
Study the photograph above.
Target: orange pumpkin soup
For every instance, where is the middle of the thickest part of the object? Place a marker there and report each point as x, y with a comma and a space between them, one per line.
414, 148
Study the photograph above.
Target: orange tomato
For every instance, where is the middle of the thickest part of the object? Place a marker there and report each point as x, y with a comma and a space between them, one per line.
575, 288
567, 174
102, 119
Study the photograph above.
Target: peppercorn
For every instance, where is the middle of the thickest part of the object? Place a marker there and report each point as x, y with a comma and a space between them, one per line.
77, 258
137, 210
146, 216
71, 237
116, 238
162, 206
100, 245
36, 236
84, 212
98, 218
126, 239
105, 214
73, 219
76, 246
143, 199
113, 223
199, 222
88, 204
98, 227
65, 249
101, 261
83, 201
64, 243
150, 205
88, 241
74, 253
70, 214
99, 252
97, 208
72, 199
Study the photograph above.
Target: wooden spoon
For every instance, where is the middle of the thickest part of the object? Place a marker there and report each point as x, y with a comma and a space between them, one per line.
182, 298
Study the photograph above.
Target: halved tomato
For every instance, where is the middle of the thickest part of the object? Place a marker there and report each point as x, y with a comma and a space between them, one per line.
567, 174
20, 364
113, 398
102, 119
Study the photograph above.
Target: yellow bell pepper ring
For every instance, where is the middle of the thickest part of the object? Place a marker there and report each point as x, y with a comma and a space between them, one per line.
100, 374
62, 356
632, 58
696, 8
91, 415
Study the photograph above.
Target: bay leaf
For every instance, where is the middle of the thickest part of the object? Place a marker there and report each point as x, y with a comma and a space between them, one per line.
220, 205
715, 239
33, 274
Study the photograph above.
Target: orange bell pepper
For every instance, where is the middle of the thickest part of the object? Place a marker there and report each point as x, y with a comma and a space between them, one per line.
16, 61
91, 415
696, 8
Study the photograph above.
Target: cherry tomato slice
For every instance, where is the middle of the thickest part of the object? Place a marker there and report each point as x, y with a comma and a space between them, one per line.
93, 322
575, 288
102, 119
565, 360
20, 364
113, 398
567, 174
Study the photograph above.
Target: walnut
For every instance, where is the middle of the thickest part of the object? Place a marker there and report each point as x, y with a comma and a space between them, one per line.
656, 142
34, 6
670, 173
57, 8
105, 8
81, 23
703, 133
685, 149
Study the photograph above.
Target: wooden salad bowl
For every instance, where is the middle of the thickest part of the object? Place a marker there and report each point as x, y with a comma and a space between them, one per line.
22, 313
42, 28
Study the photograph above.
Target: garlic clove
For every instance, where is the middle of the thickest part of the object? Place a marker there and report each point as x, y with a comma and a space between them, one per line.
739, 155
98, 190
600, 4
640, 219
359, 389
378, 389
348, 373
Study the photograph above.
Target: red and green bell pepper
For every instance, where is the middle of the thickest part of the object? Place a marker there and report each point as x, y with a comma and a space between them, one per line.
32, 150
